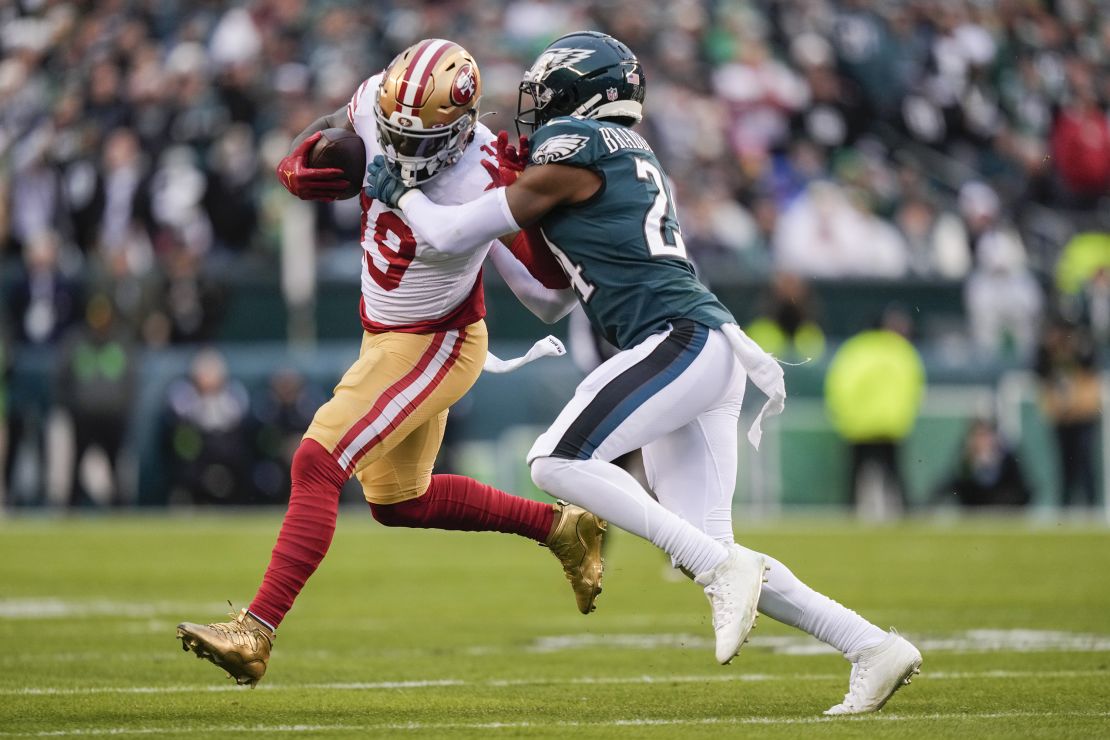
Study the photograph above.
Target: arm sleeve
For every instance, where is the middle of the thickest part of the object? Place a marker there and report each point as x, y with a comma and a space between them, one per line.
529, 248
462, 228
548, 305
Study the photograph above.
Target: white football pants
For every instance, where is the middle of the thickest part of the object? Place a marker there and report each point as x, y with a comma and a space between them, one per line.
677, 396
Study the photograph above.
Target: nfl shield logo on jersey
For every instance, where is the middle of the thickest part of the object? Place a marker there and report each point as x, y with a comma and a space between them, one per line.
611, 93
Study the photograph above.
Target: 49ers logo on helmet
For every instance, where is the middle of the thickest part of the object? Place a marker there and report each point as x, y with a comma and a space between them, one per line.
464, 86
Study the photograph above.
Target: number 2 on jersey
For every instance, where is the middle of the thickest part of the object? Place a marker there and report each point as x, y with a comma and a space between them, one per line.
661, 223
397, 260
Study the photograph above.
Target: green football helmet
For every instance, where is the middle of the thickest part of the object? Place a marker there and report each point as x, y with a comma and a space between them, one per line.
585, 74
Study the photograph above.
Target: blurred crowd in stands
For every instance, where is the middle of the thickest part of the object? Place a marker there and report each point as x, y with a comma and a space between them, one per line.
947, 140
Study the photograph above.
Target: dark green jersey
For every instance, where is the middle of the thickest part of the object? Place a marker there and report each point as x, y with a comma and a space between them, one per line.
622, 249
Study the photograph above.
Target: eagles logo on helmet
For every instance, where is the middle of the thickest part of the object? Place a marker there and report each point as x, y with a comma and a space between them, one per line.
555, 58
427, 108
585, 74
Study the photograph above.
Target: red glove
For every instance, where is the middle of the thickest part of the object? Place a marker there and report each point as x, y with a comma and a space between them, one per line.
308, 183
511, 161
529, 248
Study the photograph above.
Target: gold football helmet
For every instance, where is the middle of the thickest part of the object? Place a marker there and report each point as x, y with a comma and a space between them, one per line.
427, 108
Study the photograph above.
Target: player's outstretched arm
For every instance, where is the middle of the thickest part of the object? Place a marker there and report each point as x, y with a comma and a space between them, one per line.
547, 304
541, 188
461, 228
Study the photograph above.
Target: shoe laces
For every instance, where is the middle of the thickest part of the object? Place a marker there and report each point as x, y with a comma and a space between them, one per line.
855, 683
233, 632
718, 594
237, 630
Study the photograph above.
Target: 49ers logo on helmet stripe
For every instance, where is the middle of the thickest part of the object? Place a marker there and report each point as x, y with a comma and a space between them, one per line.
464, 85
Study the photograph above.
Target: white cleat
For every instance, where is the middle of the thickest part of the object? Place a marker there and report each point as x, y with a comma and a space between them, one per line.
877, 673
733, 591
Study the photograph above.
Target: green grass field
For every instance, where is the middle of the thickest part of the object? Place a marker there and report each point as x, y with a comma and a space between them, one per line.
407, 633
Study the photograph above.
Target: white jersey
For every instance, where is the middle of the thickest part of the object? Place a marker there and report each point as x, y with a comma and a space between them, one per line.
405, 285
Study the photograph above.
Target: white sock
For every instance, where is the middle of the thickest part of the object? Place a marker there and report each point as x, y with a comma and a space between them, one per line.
788, 600
614, 495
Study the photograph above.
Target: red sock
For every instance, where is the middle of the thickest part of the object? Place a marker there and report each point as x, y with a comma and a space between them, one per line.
306, 531
457, 502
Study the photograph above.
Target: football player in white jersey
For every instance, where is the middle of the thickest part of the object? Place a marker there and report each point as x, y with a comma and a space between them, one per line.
675, 388
423, 347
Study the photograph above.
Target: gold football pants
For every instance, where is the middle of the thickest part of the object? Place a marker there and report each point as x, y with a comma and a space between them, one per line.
384, 423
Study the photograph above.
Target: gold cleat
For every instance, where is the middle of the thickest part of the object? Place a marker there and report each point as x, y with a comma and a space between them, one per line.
241, 647
575, 539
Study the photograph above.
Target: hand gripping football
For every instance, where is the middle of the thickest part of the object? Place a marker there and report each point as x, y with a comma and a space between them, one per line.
344, 150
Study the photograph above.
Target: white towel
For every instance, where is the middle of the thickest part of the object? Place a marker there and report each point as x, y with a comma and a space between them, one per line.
764, 371
549, 346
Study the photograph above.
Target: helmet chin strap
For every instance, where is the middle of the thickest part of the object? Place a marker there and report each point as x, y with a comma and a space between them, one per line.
410, 171
408, 174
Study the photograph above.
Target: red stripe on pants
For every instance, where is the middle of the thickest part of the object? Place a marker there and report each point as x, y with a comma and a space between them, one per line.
412, 405
389, 394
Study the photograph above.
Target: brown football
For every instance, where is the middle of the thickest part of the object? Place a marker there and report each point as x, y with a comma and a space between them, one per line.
344, 150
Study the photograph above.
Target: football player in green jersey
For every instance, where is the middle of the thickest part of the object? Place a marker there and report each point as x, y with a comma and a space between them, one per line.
596, 198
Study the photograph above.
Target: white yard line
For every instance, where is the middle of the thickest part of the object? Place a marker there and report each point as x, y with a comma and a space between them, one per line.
60, 608
142, 618
966, 641
631, 722
963, 642
520, 682
377, 685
